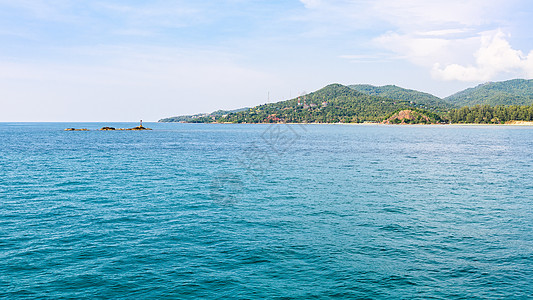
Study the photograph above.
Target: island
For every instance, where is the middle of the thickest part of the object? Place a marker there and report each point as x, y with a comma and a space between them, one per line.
506, 102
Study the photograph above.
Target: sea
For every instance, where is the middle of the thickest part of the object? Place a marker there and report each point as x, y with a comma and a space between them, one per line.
266, 211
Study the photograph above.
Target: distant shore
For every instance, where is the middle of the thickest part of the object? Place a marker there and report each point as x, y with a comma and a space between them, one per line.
511, 123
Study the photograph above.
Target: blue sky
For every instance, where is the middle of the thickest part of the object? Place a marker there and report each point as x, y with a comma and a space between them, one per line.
128, 60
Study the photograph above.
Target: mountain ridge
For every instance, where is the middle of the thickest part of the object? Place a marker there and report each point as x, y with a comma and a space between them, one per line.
509, 92
363, 102
422, 99
331, 104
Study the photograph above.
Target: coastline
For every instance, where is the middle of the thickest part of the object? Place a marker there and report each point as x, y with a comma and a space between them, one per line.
512, 123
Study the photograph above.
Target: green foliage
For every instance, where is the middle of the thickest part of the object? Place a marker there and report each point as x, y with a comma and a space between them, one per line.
332, 104
511, 92
415, 98
485, 114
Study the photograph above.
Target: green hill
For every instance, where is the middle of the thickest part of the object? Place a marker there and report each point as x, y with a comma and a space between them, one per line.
511, 92
331, 104
202, 117
416, 98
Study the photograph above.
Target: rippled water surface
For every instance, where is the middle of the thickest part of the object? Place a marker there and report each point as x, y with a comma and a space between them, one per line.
266, 211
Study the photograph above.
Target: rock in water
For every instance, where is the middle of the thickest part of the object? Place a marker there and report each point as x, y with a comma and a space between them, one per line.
139, 128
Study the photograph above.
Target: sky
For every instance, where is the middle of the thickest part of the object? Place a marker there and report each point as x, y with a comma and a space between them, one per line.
82, 61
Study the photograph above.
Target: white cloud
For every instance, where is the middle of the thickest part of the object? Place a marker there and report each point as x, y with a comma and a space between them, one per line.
433, 14
311, 3
495, 56
458, 40
442, 32
424, 32
425, 50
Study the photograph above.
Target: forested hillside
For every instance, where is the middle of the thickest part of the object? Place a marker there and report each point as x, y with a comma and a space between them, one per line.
334, 103
416, 98
511, 92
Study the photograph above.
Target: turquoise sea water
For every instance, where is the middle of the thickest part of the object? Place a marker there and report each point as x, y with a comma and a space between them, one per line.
266, 211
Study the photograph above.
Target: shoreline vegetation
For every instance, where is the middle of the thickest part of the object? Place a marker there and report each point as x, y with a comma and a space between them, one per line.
510, 123
508, 102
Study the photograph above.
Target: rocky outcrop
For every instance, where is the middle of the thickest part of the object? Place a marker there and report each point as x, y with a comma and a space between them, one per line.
408, 117
134, 128
76, 129
139, 128
107, 128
